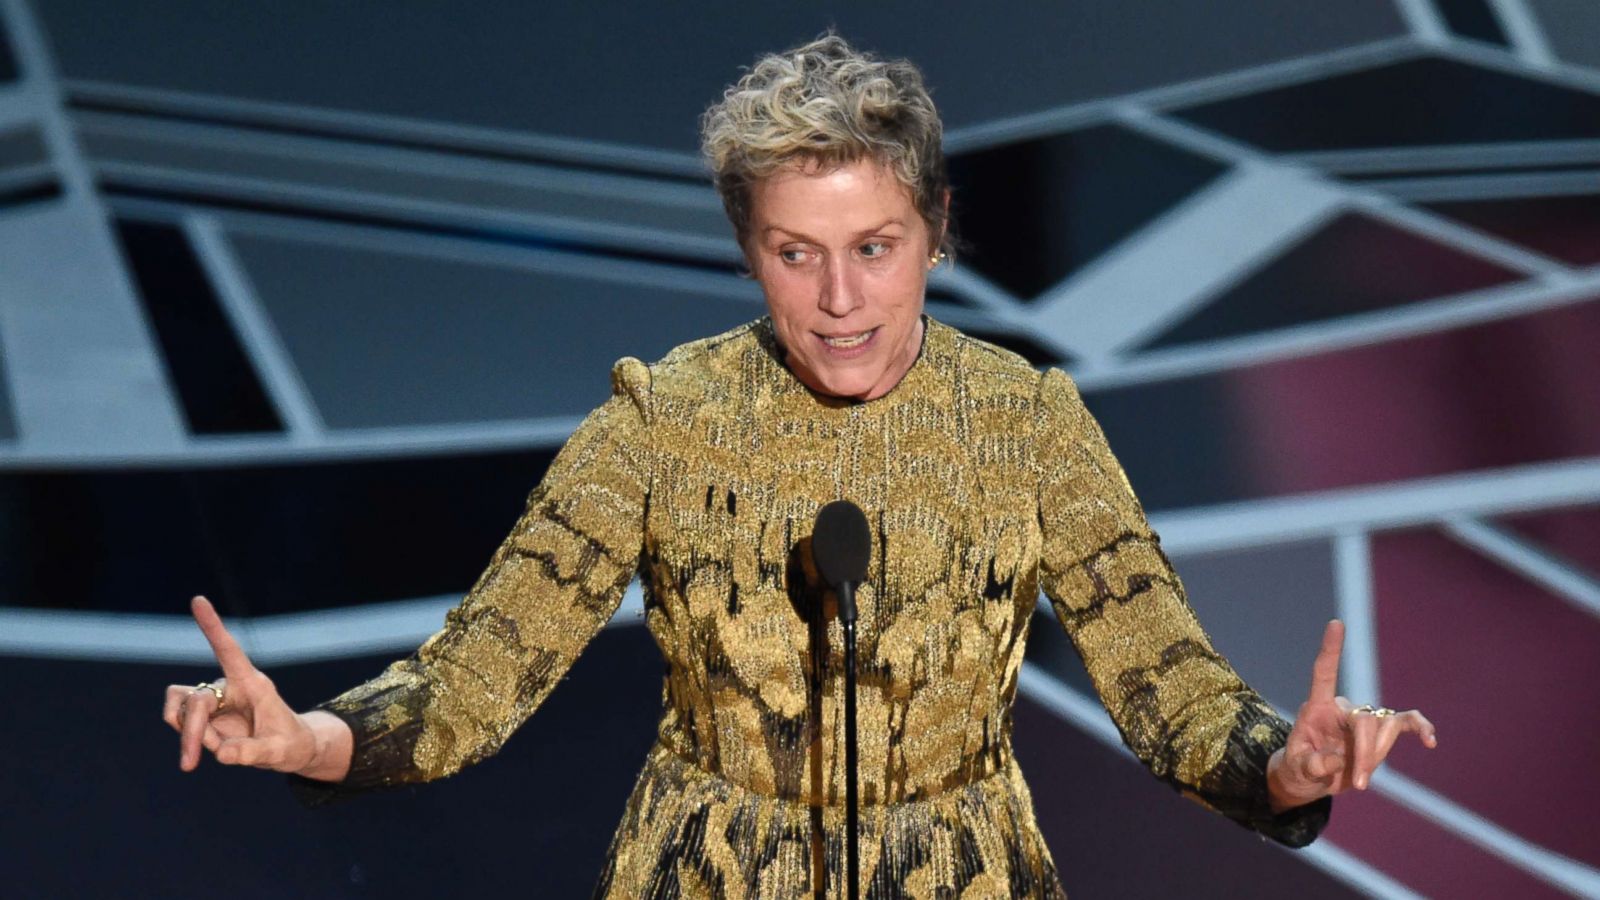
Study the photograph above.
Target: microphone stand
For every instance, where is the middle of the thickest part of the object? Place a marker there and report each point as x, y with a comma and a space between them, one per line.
847, 619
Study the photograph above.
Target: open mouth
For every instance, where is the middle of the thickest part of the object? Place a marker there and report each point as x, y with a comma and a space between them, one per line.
848, 342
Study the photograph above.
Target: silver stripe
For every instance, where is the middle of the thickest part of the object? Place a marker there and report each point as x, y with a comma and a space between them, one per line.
1528, 559
1543, 864
374, 126
290, 639
1088, 715
1316, 338
1360, 196
1422, 501
1552, 868
1176, 264
1556, 72
1524, 32
1353, 569
83, 365
1184, 93
1512, 185
1507, 154
1424, 21
255, 329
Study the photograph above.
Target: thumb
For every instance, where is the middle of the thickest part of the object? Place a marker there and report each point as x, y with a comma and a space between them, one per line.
246, 751
1321, 766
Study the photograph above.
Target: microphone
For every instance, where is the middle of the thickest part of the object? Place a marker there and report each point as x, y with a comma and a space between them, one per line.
841, 545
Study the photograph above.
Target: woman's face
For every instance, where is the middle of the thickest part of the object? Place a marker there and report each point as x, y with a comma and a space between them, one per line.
843, 258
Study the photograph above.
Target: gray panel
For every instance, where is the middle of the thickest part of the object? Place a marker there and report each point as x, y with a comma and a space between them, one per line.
640, 74
1572, 27
389, 338
1265, 609
8, 427
216, 162
21, 147
85, 372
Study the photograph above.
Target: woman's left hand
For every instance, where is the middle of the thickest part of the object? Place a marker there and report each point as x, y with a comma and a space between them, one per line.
1334, 743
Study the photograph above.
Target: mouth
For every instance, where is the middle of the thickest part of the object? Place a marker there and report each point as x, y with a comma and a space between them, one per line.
848, 341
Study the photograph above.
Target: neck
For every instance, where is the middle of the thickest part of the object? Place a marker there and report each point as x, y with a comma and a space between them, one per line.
907, 358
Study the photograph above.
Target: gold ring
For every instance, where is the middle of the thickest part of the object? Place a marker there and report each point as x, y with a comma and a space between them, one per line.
1377, 712
213, 688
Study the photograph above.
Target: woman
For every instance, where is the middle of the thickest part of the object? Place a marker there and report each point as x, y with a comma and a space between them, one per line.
984, 482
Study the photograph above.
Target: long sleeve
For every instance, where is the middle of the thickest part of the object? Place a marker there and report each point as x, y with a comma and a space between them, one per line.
547, 591
1178, 704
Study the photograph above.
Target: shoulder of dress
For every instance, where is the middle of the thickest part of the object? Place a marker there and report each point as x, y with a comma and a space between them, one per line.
706, 359
630, 377
686, 370
977, 359
978, 356
1058, 393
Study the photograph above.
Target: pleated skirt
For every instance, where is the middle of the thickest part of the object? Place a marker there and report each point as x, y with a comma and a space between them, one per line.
687, 832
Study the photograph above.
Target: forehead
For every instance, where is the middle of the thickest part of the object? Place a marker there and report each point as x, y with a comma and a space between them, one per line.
817, 200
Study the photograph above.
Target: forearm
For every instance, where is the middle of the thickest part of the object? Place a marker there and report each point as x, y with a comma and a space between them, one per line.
334, 746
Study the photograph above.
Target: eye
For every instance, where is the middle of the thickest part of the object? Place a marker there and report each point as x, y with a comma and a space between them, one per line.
874, 249
792, 256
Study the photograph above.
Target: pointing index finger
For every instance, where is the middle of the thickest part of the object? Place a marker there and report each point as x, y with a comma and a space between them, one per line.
1325, 671
235, 664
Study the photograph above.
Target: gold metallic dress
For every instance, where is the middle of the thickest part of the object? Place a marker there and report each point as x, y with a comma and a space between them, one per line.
983, 480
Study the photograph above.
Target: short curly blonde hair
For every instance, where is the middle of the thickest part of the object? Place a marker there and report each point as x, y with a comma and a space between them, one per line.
828, 103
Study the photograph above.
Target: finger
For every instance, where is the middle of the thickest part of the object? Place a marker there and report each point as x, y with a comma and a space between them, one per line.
228, 652
1325, 671
1413, 720
1364, 738
196, 711
212, 739
1389, 730
172, 709
245, 751
173, 705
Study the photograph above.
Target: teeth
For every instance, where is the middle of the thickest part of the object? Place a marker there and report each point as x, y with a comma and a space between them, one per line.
846, 343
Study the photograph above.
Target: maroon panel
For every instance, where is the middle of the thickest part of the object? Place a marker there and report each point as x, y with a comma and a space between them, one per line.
1507, 392
1114, 831
1565, 227
1421, 855
1573, 534
1509, 674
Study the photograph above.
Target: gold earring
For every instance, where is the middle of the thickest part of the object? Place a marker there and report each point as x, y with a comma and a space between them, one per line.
935, 259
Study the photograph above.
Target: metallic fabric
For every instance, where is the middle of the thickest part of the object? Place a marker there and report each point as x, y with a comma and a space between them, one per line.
984, 482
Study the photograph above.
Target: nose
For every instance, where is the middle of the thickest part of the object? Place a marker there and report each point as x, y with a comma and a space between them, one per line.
839, 292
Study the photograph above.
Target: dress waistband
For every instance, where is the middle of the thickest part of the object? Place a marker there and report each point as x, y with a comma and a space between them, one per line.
973, 771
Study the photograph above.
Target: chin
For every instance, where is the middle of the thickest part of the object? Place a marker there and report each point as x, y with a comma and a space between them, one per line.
854, 385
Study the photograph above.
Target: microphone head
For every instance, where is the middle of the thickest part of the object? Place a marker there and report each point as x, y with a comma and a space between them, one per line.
841, 543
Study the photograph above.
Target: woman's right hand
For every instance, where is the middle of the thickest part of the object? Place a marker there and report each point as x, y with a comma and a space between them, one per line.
255, 726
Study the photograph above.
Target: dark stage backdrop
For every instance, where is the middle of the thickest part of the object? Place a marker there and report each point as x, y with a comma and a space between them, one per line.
298, 299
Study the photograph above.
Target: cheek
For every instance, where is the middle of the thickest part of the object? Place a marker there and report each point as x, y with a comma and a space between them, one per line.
902, 287
789, 297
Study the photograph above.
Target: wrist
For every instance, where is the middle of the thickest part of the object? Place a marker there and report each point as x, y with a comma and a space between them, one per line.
331, 746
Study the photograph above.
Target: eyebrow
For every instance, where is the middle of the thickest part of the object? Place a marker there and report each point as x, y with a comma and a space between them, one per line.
857, 236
